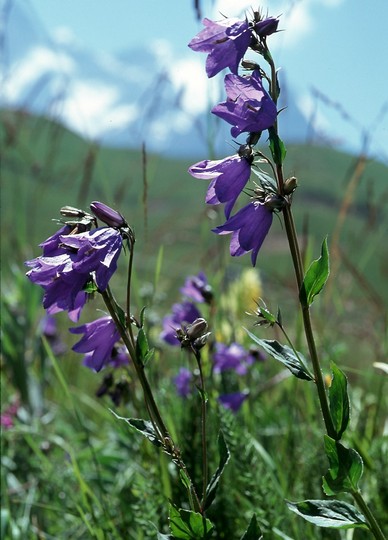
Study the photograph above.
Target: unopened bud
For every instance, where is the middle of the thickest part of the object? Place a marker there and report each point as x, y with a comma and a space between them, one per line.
70, 211
107, 214
196, 329
290, 185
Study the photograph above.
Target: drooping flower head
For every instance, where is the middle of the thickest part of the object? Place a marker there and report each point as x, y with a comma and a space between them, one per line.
232, 357
184, 313
98, 343
197, 288
228, 177
249, 107
250, 226
225, 41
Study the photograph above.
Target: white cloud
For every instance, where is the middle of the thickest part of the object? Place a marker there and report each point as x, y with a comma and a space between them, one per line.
308, 107
93, 108
30, 68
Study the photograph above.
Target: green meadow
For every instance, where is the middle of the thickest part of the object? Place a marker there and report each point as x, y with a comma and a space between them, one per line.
70, 468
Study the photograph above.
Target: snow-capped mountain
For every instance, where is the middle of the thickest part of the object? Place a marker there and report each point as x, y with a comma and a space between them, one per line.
141, 95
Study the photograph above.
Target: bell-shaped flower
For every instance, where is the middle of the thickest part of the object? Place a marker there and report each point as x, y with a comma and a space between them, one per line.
249, 107
197, 288
225, 41
97, 343
228, 177
72, 261
183, 382
232, 357
233, 401
266, 27
249, 227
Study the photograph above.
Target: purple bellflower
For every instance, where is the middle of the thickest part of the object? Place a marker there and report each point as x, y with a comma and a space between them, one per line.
183, 381
186, 312
225, 41
228, 177
249, 107
97, 343
233, 401
107, 214
197, 288
69, 262
231, 357
249, 227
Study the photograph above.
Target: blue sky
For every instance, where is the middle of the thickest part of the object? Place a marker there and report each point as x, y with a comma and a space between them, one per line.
334, 52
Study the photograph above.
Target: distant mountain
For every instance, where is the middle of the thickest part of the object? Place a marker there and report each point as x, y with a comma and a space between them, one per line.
141, 95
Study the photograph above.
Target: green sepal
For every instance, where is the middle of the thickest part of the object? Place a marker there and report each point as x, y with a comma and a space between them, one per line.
277, 147
329, 513
316, 277
345, 470
284, 354
145, 427
188, 525
253, 532
142, 316
339, 401
224, 456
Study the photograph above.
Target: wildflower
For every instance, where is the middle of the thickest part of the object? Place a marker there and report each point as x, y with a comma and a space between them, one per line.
182, 382
197, 288
98, 341
233, 357
186, 312
248, 107
225, 41
228, 177
106, 214
7, 417
249, 227
233, 401
70, 263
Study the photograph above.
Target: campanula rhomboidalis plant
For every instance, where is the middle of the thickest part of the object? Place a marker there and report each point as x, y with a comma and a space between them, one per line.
78, 264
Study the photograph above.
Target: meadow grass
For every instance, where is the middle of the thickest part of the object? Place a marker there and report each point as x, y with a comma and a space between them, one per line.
70, 468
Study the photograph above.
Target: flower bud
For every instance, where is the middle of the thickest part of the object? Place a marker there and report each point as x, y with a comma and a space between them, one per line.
290, 185
265, 27
196, 329
106, 214
275, 202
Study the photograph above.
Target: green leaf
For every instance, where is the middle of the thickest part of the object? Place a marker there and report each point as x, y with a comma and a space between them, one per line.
143, 426
284, 354
329, 513
276, 145
253, 532
188, 525
316, 277
142, 348
224, 455
339, 401
345, 470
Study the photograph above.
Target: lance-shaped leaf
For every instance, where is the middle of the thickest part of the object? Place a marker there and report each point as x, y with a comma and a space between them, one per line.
316, 277
188, 525
345, 470
284, 354
213, 484
339, 401
253, 532
277, 147
145, 427
329, 513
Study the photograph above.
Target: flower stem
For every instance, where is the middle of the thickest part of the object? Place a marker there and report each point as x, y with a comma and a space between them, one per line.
203, 427
373, 525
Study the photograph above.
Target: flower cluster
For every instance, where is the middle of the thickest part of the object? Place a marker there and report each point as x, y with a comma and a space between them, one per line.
76, 261
249, 109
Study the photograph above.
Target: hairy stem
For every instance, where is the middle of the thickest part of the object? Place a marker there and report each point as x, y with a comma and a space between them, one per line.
373, 525
203, 427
